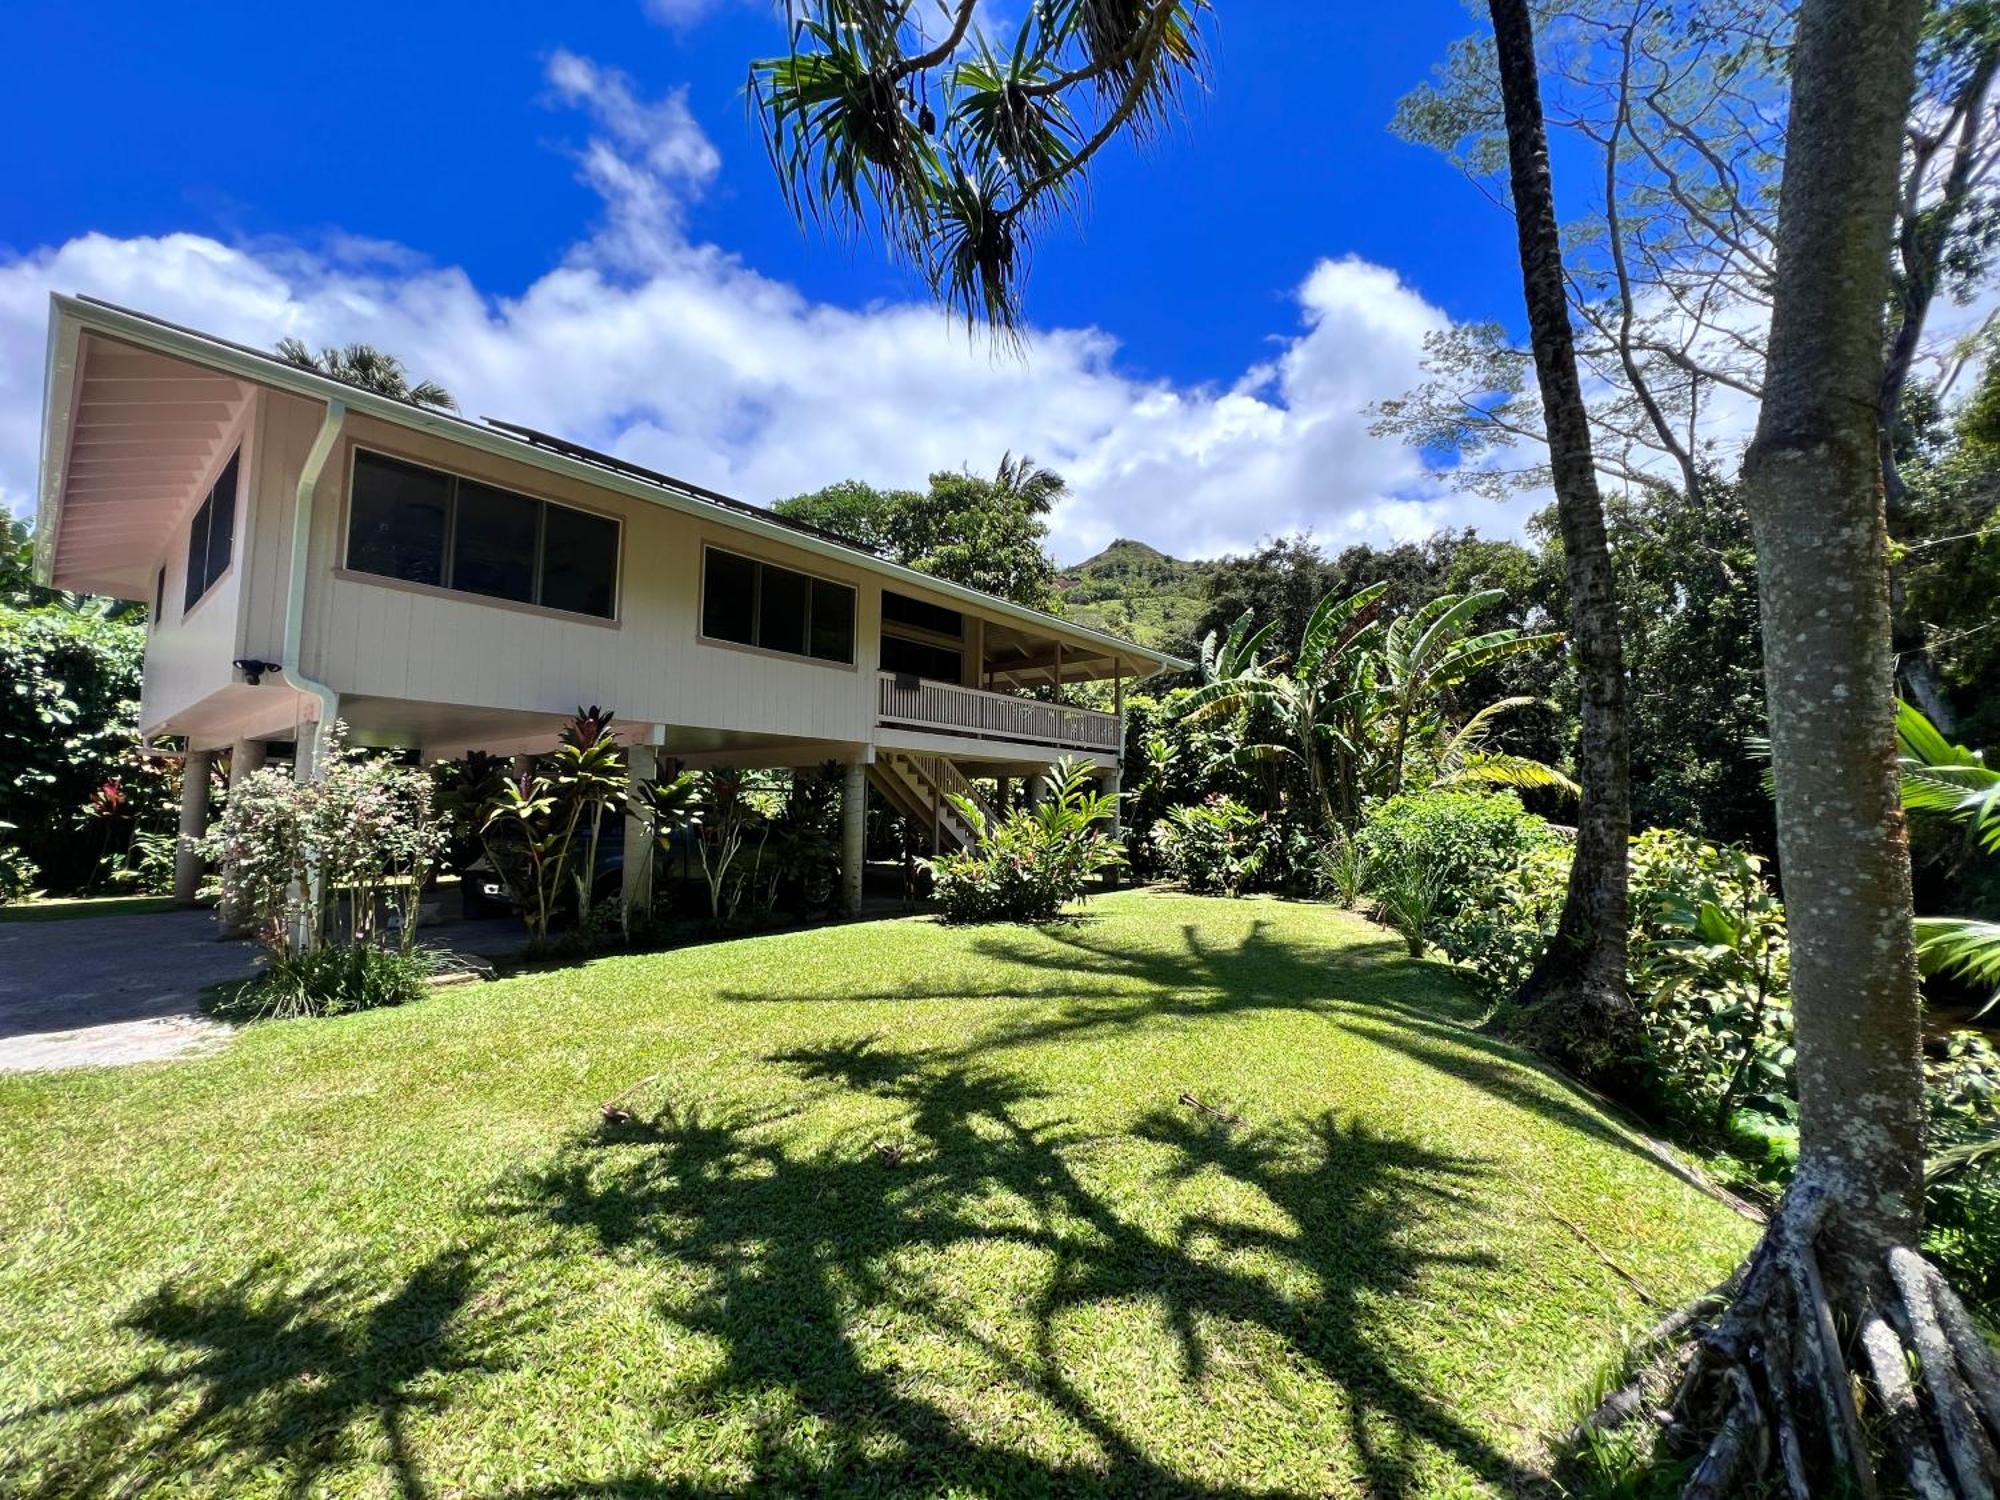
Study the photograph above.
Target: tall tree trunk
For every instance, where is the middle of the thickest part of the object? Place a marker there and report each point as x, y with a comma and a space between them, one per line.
1836, 1289
1813, 485
1575, 1003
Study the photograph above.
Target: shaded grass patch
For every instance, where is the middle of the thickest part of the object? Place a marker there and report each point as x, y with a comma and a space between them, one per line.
404, 1252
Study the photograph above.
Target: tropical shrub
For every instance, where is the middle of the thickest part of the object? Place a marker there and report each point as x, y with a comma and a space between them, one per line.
333, 981
1502, 933
67, 719
1963, 1205
1710, 968
1030, 865
1213, 848
1408, 899
17, 871
1463, 841
311, 864
541, 830
1345, 868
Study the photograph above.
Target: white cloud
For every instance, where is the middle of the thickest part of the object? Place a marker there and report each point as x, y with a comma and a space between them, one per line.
675, 354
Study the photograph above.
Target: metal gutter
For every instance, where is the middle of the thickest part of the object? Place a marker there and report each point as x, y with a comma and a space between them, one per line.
248, 364
323, 444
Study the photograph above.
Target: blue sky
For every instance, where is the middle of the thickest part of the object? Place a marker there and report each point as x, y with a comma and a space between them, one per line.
390, 171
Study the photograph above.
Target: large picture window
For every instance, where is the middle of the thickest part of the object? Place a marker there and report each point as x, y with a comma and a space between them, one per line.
211, 536
754, 603
426, 526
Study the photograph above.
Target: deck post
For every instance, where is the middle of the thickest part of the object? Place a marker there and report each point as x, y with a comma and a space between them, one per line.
853, 824
1035, 789
194, 823
1110, 784
246, 758
642, 766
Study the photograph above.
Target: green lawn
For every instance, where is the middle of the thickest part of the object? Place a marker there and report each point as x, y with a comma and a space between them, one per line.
402, 1253
64, 908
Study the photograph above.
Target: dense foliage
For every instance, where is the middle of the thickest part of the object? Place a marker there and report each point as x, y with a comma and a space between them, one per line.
336, 981
966, 528
1474, 877
1031, 864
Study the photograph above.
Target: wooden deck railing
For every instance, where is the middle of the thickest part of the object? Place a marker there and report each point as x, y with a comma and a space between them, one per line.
973, 712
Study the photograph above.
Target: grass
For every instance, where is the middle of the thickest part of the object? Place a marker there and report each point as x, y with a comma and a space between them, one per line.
404, 1253
67, 908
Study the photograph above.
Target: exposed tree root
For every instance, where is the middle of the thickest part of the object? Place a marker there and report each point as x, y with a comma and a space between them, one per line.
1766, 1381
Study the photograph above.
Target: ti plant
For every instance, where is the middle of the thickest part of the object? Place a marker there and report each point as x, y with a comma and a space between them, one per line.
958, 147
551, 818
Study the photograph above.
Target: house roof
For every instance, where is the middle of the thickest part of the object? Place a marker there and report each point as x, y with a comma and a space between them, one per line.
72, 317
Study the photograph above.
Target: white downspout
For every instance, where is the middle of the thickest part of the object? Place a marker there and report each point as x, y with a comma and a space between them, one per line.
309, 752
322, 448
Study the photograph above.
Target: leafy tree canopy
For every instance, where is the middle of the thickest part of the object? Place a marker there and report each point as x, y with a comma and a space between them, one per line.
984, 533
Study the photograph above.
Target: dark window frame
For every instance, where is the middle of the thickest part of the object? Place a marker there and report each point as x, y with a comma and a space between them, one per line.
758, 565
448, 545
199, 578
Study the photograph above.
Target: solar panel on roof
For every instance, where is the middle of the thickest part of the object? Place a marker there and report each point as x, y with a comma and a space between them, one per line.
653, 476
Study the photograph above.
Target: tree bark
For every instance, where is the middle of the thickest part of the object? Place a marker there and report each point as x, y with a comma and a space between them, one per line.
1575, 1003
1813, 485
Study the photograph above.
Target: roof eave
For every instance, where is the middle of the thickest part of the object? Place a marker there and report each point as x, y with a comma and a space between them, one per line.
77, 314
58, 401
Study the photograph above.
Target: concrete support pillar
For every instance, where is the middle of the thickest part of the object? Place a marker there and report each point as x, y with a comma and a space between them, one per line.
1035, 788
194, 823
642, 764
246, 758
853, 826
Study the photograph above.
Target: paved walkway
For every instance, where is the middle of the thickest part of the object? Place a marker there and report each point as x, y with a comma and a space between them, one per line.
96, 990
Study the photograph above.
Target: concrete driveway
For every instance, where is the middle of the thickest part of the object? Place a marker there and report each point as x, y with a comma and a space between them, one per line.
95, 990
110, 989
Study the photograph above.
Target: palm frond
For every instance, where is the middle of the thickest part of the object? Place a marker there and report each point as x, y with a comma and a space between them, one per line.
1965, 947
1517, 771
1967, 1156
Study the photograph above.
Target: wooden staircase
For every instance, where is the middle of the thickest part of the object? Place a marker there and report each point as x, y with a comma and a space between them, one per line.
918, 785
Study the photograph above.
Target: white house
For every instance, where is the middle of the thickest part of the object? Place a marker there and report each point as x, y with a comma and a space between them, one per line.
311, 551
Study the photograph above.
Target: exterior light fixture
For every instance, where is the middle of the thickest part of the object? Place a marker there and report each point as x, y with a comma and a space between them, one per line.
253, 670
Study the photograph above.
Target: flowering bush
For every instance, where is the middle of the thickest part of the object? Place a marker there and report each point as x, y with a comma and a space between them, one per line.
308, 864
1213, 847
1028, 867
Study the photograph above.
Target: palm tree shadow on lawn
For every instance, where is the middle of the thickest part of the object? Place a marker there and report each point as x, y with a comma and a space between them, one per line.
802, 1260
1374, 990
264, 1374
